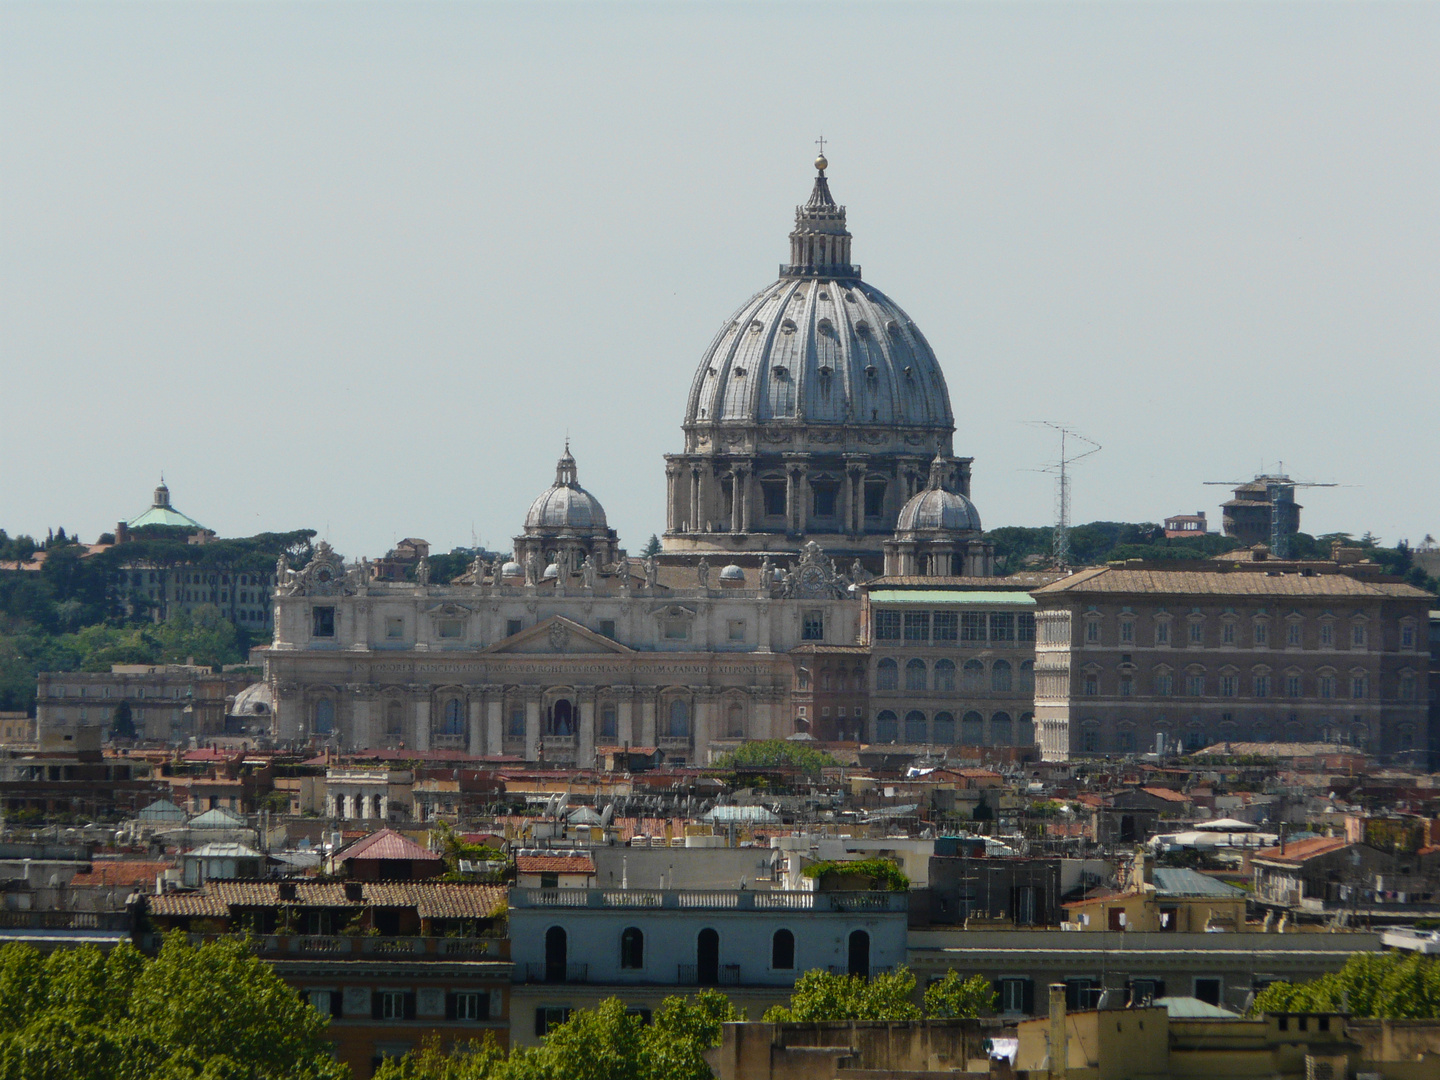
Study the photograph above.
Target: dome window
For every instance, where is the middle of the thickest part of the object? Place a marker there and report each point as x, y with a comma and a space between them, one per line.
739, 372
850, 298
826, 326
756, 326
824, 295
787, 326
826, 371
893, 327
909, 372
781, 373
871, 371
862, 328
712, 373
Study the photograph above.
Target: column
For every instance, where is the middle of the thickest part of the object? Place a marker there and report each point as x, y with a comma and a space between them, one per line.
790, 498
703, 729
762, 626
532, 727
672, 498
647, 717
696, 522
746, 499
475, 745
422, 720
624, 716
802, 487
289, 712
585, 745
495, 719
362, 720
737, 500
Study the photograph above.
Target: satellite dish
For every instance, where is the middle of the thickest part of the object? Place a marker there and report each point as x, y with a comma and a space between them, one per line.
607, 816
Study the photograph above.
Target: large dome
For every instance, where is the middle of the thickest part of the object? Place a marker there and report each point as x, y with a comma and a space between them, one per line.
938, 509
566, 505
820, 352
820, 347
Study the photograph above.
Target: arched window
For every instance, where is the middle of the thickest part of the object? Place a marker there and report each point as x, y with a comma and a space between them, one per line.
859, 954
943, 728
1001, 732
707, 957
394, 718
887, 727
454, 717
972, 729
679, 727
561, 719
556, 954
324, 716
782, 950
915, 674
1026, 682
824, 680
1000, 676
887, 675
735, 721
632, 949
945, 675
972, 676
1026, 734
915, 726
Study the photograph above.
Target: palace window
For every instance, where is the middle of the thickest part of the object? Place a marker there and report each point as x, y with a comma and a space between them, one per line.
887, 626
516, 728
774, 492
1000, 676
943, 729
1162, 632
1292, 685
1293, 631
944, 626
1127, 631
1195, 685
874, 500
1262, 633
972, 676
887, 675
513, 627
812, 627
609, 722
1229, 685
451, 629
1325, 686
322, 622
972, 626
917, 626
454, 717
1002, 627
1262, 685
735, 630
1092, 684
945, 675
824, 499
1092, 631
1025, 626
1327, 633
1359, 687
915, 675
1197, 633
1407, 635
1164, 684
1357, 635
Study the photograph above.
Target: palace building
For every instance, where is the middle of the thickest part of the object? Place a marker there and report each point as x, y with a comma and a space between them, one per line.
818, 451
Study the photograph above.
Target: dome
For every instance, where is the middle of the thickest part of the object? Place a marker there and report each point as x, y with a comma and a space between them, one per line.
551, 572
512, 569
937, 508
257, 699
732, 573
821, 347
566, 505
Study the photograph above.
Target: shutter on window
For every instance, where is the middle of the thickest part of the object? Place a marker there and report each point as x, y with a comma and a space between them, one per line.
484, 1006
539, 1022
409, 1004
1029, 997
451, 1012
337, 1002
375, 1000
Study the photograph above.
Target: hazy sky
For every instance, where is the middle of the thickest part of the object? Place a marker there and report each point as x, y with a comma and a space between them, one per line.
361, 267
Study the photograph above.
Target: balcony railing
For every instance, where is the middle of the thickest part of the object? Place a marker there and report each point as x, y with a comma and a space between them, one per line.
557, 973
710, 900
346, 947
724, 975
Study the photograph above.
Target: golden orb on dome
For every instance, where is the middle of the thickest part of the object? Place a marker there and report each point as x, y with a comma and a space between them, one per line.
821, 163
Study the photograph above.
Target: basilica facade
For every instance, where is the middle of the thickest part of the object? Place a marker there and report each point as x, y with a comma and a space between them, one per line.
818, 453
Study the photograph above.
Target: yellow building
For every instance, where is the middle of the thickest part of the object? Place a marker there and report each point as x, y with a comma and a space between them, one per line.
1162, 899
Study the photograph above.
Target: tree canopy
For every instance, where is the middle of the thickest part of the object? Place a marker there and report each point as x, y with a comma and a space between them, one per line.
209, 1013
884, 875
1387, 986
607, 1042
776, 754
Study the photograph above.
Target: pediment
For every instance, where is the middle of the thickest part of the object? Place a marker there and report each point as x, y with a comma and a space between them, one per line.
557, 635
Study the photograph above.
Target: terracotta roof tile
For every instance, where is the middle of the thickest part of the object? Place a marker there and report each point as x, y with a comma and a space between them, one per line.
552, 864
387, 844
1299, 851
1106, 579
104, 872
431, 899
1167, 794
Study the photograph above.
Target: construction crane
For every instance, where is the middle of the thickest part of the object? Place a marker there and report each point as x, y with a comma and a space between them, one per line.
1279, 490
1060, 469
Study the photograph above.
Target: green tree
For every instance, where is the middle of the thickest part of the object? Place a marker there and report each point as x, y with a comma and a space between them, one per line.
955, 998
604, 1043
652, 547
1388, 986
776, 753
819, 995
210, 1013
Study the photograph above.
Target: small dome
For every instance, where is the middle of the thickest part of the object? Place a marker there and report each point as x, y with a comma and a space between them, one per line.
512, 569
732, 573
936, 508
255, 700
552, 572
566, 505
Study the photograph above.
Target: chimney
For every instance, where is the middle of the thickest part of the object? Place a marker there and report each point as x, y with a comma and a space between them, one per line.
1059, 1047
122, 532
